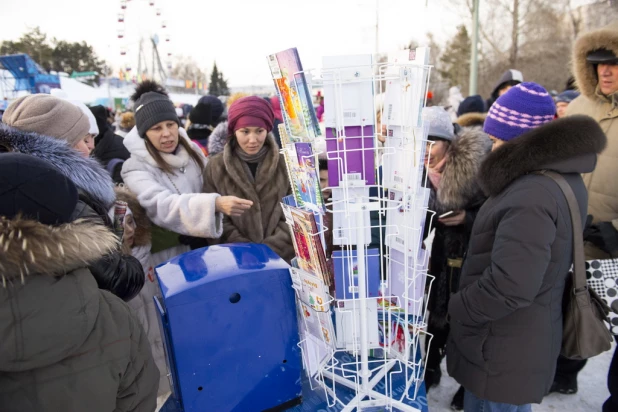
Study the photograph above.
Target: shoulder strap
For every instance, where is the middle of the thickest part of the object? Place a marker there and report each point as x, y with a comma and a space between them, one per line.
579, 265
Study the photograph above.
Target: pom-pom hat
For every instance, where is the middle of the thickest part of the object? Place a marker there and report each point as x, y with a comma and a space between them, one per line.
521, 109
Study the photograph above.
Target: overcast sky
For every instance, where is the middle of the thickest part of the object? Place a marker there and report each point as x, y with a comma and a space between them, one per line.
238, 34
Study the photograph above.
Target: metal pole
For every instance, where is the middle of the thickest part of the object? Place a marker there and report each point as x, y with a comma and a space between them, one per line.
474, 57
377, 28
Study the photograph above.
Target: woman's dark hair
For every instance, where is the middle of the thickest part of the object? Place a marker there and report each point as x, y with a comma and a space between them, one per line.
163, 164
322, 164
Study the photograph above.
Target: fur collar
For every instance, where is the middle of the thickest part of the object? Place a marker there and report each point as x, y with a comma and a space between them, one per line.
86, 173
585, 74
265, 172
471, 119
28, 247
458, 185
142, 223
137, 147
567, 145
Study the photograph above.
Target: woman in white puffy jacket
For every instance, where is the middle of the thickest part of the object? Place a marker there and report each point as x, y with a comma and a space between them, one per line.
165, 172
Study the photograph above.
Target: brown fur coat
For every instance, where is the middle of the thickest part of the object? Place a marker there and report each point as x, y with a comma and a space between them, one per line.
264, 222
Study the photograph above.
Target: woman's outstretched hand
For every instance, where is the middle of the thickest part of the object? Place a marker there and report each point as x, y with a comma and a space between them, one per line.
232, 205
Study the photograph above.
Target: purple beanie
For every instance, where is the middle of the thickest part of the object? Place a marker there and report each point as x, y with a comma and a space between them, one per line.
521, 109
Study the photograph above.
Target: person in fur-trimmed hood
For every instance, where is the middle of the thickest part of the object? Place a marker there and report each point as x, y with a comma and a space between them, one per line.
595, 65
452, 169
117, 272
251, 167
137, 236
506, 319
471, 113
66, 344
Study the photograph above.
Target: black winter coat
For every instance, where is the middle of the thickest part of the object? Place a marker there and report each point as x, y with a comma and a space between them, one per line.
121, 274
506, 320
459, 190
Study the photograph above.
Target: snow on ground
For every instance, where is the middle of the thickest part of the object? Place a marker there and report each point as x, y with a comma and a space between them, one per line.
590, 397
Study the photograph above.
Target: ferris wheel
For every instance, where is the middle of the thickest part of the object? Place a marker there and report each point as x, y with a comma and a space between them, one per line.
144, 42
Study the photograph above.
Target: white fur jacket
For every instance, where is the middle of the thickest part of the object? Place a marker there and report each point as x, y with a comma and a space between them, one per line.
172, 201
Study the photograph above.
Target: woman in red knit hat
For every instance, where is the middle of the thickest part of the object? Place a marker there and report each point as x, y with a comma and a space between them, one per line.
252, 168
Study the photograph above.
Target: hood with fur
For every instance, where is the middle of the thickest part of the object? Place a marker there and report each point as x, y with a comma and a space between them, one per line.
472, 119
567, 145
585, 73
28, 247
142, 223
49, 300
86, 173
459, 185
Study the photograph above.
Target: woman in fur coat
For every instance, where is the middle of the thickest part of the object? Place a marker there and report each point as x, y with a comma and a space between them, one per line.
165, 172
67, 345
46, 127
452, 168
251, 167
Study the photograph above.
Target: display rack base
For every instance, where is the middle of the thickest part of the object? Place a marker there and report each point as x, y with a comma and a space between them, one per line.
315, 400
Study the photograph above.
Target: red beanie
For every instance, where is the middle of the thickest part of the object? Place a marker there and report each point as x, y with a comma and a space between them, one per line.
252, 111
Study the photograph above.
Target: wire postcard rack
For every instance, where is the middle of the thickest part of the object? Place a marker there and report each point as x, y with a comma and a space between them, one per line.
362, 313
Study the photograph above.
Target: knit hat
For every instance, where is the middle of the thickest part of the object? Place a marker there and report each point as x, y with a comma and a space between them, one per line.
61, 94
567, 96
471, 104
252, 111
35, 189
202, 114
440, 125
216, 107
521, 109
152, 108
48, 115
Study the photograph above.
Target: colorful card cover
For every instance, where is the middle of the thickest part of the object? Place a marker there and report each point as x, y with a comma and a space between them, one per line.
413, 275
394, 336
404, 158
345, 226
346, 273
294, 93
307, 242
311, 290
317, 324
405, 219
350, 155
347, 322
307, 179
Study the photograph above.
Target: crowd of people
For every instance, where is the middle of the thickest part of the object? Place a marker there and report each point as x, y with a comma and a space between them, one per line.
76, 300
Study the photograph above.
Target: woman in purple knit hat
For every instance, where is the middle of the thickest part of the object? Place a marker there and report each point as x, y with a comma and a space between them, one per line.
506, 319
252, 168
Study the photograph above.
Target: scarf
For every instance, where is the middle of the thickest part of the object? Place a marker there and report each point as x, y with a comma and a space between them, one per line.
435, 173
254, 158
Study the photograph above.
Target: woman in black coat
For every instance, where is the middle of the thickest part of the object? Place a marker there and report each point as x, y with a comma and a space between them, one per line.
506, 319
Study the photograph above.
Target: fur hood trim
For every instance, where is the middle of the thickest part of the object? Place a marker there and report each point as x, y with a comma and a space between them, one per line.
28, 247
86, 173
459, 185
471, 119
585, 74
142, 223
567, 145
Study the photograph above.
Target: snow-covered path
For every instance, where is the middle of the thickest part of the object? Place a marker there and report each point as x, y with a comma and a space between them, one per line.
590, 397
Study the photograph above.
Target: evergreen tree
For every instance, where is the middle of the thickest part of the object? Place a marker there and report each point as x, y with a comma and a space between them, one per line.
455, 61
218, 85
